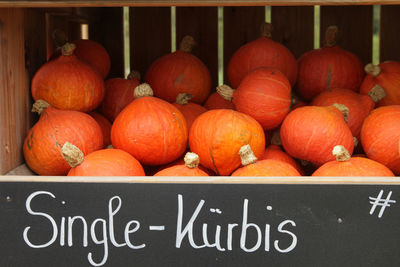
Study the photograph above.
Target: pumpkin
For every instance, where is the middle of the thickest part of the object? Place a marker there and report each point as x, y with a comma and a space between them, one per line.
358, 106
180, 72
383, 81
345, 165
189, 110
327, 68
310, 133
105, 126
190, 168
264, 94
217, 101
104, 162
119, 93
275, 152
217, 135
262, 52
266, 167
43, 143
380, 136
68, 83
150, 129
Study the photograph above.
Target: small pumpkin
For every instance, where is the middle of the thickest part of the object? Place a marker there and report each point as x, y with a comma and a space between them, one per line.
104, 162
217, 101
189, 110
275, 152
345, 165
190, 168
105, 126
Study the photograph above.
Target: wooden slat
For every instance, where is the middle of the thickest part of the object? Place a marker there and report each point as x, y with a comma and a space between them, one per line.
107, 29
201, 24
390, 33
241, 25
355, 28
150, 36
294, 28
14, 96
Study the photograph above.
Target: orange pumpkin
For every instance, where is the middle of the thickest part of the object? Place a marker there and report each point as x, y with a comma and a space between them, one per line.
380, 136
383, 80
104, 162
345, 165
266, 167
217, 135
180, 72
105, 126
216, 101
43, 143
190, 168
262, 52
189, 110
68, 83
150, 129
310, 133
275, 152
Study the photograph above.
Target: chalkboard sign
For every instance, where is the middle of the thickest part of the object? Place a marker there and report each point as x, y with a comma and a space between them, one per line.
143, 224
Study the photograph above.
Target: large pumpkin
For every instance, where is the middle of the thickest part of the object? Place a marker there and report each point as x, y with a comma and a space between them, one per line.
180, 72
262, 52
189, 110
380, 136
327, 68
217, 135
384, 79
43, 143
150, 129
310, 133
190, 168
68, 83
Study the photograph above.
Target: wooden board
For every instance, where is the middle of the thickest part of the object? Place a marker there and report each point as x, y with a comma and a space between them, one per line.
294, 28
14, 99
355, 28
150, 36
390, 33
201, 24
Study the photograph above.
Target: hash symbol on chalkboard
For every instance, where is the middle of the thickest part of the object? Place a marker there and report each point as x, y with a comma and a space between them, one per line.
379, 201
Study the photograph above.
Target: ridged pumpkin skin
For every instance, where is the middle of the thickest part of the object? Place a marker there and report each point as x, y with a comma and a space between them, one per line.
118, 94
150, 129
181, 170
105, 126
216, 101
190, 111
262, 52
43, 143
94, 54
327, 68
310, 133
217, 136
108, 162
356, 166
380, 136
264, 94
267, 167
275, 152
68, 83
388, 79
179, 72
359, 106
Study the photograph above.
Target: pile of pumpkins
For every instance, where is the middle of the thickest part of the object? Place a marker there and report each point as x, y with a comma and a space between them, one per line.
324, 114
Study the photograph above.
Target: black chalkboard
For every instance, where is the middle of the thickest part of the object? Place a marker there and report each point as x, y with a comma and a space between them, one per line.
150, 225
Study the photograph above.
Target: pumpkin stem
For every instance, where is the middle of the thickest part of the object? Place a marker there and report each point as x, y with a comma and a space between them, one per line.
276, 137
192, 160
373, 70
110, 146
134, 75
59, 37
39, 106
187, 44
226, 92
246, 155
142, 90
355, 141
72, 154
341, 153
331, 35
344, 109
266, 29
68, 49
377, 93
183, 98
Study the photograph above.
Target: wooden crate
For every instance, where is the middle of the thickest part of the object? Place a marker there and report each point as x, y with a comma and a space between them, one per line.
26, 27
